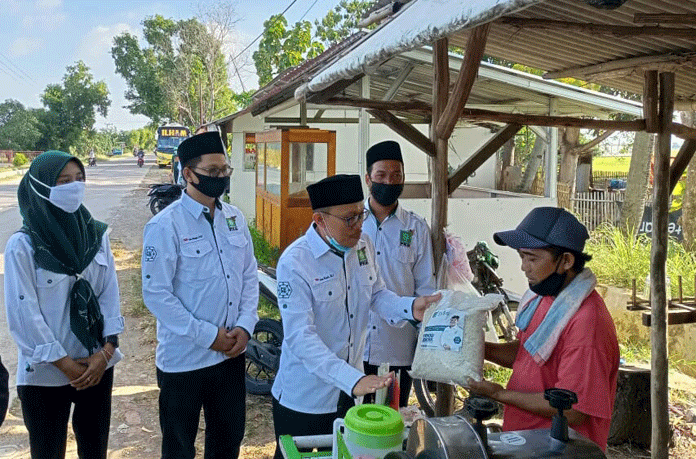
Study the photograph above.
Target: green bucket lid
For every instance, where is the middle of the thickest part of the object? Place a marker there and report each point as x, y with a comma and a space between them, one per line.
371, 419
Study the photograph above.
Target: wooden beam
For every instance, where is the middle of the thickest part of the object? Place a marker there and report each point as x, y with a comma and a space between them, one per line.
683, 132
612, 68
686, 152
602, 29
405, 130
650, 96
659, 387
444, 405
553, 121
336, 88
475, 47
673, 318
664, 18
398, 81
319, 114
479, 157
414, 106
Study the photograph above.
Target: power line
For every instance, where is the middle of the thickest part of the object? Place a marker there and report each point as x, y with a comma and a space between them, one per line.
308, 10
17, 67
264, 31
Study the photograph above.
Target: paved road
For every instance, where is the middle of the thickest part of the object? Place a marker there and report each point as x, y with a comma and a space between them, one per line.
107, 184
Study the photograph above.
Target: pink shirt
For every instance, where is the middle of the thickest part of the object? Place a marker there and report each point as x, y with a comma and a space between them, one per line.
585, 361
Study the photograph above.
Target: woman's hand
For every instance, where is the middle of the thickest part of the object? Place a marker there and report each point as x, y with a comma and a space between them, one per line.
95, 366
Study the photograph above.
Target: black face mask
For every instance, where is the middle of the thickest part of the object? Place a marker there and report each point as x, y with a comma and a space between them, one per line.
552, 285
213, 187
385, 194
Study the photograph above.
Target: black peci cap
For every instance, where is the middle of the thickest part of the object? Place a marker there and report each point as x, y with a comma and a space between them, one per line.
335, 190
200, 144
388, 149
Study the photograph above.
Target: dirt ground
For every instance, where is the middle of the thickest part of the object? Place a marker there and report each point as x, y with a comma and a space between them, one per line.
135, 431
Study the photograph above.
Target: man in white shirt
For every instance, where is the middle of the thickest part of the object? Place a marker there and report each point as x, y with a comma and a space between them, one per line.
404, 254
328, 282
451, 338
200, 282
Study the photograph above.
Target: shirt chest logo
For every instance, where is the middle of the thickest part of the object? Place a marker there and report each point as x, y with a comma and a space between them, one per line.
405, 238
362, 257
231, 223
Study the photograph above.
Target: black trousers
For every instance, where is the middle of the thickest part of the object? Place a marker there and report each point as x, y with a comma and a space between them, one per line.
46, 412
221, 391
296, 423
4, 391
405, 382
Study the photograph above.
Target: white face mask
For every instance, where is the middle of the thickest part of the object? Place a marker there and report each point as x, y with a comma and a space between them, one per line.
67, 198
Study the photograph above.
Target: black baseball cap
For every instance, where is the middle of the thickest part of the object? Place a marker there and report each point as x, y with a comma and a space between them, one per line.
544, 227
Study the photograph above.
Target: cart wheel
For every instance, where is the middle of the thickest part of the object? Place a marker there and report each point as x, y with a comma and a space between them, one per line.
260, 373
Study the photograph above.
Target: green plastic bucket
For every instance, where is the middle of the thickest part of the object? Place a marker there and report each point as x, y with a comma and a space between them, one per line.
373, 430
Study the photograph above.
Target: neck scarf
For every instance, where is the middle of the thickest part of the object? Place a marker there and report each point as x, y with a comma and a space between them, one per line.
542, 342
63, 243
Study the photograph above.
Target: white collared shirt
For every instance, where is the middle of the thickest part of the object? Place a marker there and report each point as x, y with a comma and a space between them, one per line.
324, 301
196, 280
38, 310
404, 253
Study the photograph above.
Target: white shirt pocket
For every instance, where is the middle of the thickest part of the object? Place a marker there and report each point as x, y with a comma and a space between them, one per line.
197, 261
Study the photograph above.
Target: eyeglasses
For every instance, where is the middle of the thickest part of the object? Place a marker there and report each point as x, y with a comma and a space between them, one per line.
217, 172
353, 220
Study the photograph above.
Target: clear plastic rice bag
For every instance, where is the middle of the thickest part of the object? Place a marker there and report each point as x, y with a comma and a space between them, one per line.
451, 339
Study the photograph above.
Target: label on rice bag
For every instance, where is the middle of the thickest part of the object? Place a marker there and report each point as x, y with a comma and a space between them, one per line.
444, 330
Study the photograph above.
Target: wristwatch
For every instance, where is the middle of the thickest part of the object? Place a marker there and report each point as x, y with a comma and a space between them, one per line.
113, 340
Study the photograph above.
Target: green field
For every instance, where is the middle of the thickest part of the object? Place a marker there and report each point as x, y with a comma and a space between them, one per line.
611, 163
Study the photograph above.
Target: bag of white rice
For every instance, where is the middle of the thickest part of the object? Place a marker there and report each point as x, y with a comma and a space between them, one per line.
451, 339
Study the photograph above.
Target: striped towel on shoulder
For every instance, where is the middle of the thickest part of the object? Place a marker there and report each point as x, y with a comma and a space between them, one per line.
542, 342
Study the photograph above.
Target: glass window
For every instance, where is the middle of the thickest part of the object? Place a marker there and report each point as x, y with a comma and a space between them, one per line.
273, 168
260, 165
308, 164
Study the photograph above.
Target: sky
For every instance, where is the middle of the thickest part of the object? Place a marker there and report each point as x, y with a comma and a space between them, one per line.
41, 38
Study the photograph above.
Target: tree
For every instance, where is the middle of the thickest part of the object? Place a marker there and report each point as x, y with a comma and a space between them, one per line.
19, 127
281, 47
638, 175
571, 147
181, 73
142, 138
71, 107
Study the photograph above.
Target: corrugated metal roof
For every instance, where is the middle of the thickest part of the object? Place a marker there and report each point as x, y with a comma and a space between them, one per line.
549, 50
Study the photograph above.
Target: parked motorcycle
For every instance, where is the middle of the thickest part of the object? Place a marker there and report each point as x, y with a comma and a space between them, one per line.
163, 194
263, 348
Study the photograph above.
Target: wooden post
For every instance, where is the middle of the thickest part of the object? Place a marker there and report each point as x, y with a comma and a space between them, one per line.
659, 388
438, 165
650, 95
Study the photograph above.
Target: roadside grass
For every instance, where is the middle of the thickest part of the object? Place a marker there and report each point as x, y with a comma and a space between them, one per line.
617, 259
265, 253
611, 163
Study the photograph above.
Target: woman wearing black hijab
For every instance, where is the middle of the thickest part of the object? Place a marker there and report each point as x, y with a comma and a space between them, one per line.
62, 302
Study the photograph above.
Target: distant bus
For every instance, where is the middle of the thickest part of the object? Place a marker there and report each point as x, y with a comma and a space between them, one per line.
169, 137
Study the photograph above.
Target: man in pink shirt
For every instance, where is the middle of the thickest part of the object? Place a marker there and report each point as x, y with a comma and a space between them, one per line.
567, 337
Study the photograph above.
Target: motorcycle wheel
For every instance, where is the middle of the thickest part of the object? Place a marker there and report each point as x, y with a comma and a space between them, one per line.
426, 393
157, 205
259, 374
